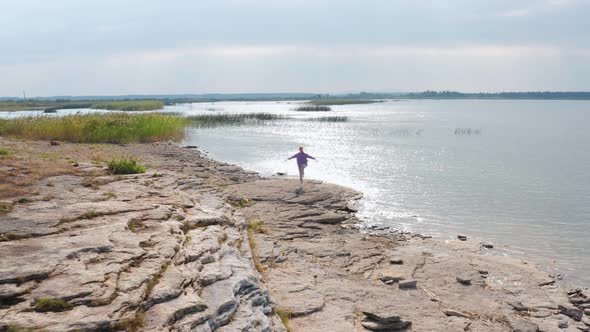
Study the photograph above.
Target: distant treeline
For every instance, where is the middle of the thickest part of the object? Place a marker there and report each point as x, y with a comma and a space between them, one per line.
53, 103
498, 95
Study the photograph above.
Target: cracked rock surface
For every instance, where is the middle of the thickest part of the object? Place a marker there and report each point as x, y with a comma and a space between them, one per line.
197, 245
331, 277
159, 251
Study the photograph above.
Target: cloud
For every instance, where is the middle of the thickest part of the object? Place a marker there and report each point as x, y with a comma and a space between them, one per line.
70, 46
237, 52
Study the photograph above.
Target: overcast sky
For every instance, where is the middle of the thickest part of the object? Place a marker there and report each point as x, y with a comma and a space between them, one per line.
88, 47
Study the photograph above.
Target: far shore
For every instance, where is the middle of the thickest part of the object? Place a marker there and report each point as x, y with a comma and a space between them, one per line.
195, 244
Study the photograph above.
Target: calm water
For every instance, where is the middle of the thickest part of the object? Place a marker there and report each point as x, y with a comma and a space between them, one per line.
515, 173
521, 179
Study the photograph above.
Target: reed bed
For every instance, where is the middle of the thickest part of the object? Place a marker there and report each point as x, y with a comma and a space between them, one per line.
218, 120
329, 119
342, 101
96, 128
313, 108
130, 105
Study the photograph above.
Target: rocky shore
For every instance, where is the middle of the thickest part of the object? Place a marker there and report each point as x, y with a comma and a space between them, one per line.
197, 245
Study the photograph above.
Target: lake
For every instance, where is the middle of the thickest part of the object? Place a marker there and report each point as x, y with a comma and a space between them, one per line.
515, 173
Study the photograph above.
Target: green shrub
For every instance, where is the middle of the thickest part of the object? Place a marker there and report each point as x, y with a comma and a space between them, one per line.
4, 152
48, 304
125, 166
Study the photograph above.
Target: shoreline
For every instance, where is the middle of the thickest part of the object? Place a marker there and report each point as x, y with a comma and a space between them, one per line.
208, 226
546, 264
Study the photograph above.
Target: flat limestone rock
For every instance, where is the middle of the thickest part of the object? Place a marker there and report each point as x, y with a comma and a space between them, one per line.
408, 284
464, 280
377, 326
520, 325
396, 261
574, 313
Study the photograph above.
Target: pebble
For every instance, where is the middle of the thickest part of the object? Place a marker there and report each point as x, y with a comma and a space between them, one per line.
375, 322
405, 284
518, 306
562, 324
389, 280
547, 283
487, 245
55, 143
464, 280
462, 237
586, 320
587, 312
397, 261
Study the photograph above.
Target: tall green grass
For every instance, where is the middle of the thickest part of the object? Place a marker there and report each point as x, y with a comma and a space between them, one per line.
96, 128
313, 108
130, 105
218, 120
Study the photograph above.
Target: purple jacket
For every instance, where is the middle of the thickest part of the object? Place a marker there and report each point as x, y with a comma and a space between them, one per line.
302, 158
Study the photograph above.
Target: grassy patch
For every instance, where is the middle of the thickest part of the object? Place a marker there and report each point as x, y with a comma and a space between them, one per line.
134, 324
94, 183
96, 128
342, 101
155, 280
18, 328
222, 238
48, 304
188, 226
134, 225
240, 202
125, 166
285, 317
4, 152
13, 236
313, 108
218, 120
5, 207
255, 226
25, 167
109, 195
23, 200
86, 215
130, 105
